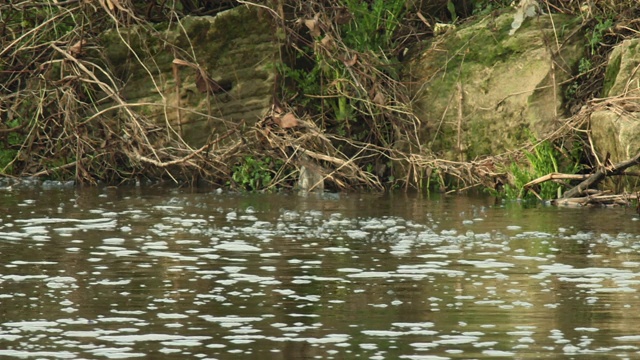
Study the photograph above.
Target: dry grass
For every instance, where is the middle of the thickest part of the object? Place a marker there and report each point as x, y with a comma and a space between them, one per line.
62, 115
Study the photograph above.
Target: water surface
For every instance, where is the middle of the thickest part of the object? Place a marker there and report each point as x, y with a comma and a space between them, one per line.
120, 273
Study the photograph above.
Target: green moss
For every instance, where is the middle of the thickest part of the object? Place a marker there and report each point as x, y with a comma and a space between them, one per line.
113, 48
6, 157
613, 68
219, 39
196, 29
477, 130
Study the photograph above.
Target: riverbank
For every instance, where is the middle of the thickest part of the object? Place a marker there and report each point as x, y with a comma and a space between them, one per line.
117, 93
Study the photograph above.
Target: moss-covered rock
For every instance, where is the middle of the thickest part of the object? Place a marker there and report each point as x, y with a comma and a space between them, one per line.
615, 130
479, 91
236, 48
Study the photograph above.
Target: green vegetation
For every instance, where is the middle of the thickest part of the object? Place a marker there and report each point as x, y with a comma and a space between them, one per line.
451, 7
345, 75
11, 145
254, 174
6, 158
373, 25
336, 83
544, 159
62, 101
589, 80
595, 37
483, 7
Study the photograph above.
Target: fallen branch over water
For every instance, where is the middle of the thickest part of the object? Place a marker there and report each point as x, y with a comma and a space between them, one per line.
553, 177
583, 194
599, 175
598, 199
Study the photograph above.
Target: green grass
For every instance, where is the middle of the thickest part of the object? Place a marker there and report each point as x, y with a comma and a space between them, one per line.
544, 159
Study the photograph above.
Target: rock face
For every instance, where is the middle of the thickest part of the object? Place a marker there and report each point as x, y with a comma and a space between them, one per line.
479, 91
235, 49
615, 129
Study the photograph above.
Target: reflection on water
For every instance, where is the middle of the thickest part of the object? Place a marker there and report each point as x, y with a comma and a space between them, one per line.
164, 274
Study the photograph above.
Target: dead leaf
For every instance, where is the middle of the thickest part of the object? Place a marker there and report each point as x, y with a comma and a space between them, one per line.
328, 43
379, 99
314, 27
182, 62
76, 49
277, 109
205, 84
288, 121
353, 61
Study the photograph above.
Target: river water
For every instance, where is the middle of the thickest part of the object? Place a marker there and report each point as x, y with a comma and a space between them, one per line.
157, 273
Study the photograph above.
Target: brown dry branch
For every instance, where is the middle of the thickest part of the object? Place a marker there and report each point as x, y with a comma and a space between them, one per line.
595, 199
185, 160
600, 174
306, 142
381, 102
79, 127
70, 130
555, 176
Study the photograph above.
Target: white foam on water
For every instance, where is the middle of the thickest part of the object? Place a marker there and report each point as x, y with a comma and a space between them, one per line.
35, 230
372, 224
498, 353
12, 236
169, 350
485, 344
230, 319
88, 333
267, 280
384, 333
486, 264
336, 249
171, 316
285, 292
424, 345
168, 208
270, 254
357, 234
116, 319
97, 224
456, 339
66, 231
112, 282
622, 289
182, 342
330, 338
303, 315
173, 255
371, 274
412, 325
39, 354
21, 262
151, 337
10, 337
113, 241
61, 282
239, 246
32, 325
